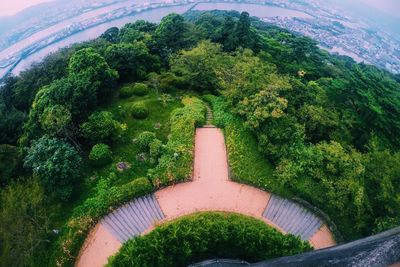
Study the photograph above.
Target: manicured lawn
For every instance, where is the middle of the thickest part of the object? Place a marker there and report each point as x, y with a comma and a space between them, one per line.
158, 122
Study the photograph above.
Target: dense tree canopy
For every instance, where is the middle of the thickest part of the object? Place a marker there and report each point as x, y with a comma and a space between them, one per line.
56, 163
132, 61
324, 128
89, 62
24, 223
197, 67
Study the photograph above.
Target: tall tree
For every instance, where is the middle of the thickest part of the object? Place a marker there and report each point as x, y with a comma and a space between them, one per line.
89, 62
173, 33
132, 61
197, 67
56, 163
24, 223
111, 35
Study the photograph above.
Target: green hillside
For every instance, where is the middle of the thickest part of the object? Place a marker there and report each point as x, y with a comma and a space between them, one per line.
104, 121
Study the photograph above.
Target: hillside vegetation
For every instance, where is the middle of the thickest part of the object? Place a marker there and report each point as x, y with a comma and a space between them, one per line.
104, 121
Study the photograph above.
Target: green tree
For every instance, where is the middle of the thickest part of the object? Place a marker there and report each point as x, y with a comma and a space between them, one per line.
280, 137
76, 93
89, 62
197, 67
56, 163
244, 75
245, 35
27, 84
11, 121
101, 127
9, 163
100, 155
329, 176
142, 26
111, 35
372, 97
55, 119
227, 35
24, 223
132, 61
130, 35
382, 180
173, 33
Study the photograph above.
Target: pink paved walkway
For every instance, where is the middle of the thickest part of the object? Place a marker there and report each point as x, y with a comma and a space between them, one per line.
210, 190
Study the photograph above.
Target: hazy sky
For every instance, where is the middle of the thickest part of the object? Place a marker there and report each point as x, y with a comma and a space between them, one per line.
391, 7
11, 7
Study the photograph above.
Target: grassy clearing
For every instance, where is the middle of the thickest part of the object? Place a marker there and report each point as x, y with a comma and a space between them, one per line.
126, 150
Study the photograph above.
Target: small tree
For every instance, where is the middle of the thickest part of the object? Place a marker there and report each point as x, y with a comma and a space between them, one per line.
100, 127
145, 139
100, 155
139, 111
140, 89
131, 60
56, 163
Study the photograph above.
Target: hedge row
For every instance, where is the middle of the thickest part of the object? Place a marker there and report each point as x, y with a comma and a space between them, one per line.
207, 235
85, 216
176, 162
247, 164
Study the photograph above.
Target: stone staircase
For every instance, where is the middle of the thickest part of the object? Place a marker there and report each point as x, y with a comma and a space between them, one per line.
133, 218
209, 118
292, 218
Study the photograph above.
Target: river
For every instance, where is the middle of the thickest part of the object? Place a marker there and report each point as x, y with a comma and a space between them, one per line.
154, 15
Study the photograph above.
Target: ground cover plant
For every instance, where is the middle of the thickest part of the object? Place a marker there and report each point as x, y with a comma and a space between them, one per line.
176, 163
246, 164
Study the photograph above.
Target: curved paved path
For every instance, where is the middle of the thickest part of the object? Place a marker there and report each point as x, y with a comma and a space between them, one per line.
210, 190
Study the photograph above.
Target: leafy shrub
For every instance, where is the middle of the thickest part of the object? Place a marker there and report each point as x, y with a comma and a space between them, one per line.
144, 139
175, 164
126, 91
102, 127
85, 216
100, 155
139, 110
168, 82
155, 148
140, 89
207, 235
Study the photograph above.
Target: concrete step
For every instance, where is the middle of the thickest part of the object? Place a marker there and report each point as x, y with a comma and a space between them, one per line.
133, 218
292, 217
